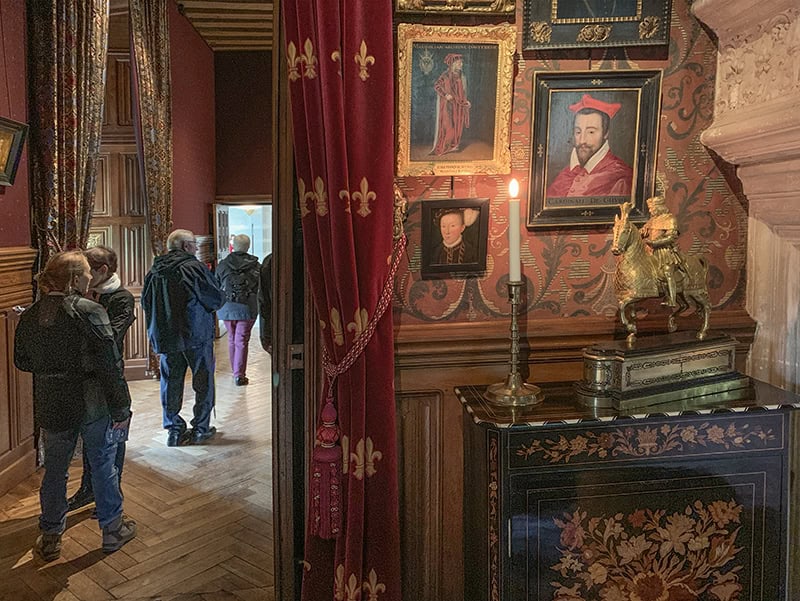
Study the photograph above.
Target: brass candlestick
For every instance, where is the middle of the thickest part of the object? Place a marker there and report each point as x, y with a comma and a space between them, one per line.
514, 392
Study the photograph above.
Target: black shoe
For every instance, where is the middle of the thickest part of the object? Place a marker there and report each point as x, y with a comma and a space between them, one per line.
81, 498
177, 438
199, 437
48, 546
241, 381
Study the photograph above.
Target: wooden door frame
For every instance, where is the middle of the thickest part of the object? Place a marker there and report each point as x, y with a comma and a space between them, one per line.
290, 362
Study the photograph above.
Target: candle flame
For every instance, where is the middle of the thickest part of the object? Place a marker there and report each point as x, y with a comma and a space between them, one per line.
513, 188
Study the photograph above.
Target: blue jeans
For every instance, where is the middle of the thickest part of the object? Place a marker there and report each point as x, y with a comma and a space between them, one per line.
119, 459
59, 448
173, 371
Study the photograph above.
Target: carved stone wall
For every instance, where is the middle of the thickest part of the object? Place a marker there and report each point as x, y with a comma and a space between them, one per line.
757, 127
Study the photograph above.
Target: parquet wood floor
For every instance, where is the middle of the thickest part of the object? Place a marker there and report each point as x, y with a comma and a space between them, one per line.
204, 512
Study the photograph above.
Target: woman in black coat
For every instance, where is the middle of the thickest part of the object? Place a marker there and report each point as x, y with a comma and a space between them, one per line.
66, 341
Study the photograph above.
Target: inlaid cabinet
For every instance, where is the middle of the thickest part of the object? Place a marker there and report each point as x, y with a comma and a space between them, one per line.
567, 503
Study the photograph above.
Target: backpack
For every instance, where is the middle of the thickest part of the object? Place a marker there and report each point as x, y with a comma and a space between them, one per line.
239, 287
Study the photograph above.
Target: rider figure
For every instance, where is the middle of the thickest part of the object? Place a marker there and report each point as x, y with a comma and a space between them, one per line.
660, 233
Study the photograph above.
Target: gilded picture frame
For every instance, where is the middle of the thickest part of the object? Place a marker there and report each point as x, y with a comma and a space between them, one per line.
583, 164
12, 139
455, 234
559, 24
454, 99
465, 7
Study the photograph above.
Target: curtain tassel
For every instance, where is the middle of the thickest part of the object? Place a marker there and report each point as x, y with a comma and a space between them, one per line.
326, 476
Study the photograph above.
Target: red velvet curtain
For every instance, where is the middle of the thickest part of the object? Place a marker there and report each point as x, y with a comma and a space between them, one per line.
341, 78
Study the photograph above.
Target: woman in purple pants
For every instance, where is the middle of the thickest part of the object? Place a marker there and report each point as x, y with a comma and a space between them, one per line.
238, 274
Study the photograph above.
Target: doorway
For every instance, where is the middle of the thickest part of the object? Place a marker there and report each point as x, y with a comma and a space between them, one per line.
255, 220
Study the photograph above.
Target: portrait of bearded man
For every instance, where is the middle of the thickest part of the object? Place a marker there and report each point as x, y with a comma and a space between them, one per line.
593, 170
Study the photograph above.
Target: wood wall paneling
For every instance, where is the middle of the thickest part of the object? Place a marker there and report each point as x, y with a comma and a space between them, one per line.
430, 361
119, 218
17, 455
102, 194
419, 432
131, 185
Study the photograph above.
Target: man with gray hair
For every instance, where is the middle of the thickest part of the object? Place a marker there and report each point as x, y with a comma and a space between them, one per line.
238, 275
179, 298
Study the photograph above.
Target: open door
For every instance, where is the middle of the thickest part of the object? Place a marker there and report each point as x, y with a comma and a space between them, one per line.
293, 346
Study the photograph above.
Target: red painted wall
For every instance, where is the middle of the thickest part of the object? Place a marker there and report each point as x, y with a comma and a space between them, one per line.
14, 200
570, 269
193, 140
244, 122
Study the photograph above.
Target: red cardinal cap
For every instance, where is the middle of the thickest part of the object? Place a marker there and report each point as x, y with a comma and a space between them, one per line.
587, 102
451, 58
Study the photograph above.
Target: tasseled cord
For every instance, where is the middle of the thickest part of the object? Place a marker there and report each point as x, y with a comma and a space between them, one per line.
326, 474
326, 458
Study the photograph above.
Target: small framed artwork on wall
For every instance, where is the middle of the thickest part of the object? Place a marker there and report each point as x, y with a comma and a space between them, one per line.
12, 137
555, 24
594, 145
454, 99
467, 7
454, 237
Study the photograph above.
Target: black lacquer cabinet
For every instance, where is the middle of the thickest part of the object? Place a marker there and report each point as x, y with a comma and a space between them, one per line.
688, 501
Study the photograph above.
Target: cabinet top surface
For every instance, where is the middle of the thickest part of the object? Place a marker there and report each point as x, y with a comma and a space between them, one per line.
561, 406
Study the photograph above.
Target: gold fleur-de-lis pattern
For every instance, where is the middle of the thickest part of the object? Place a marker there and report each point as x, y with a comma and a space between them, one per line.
338, 583
318, 196
359, 323
336, 327
364, 459
294, 61
336, 57
350, 591
372, 587
363, 196
345, 196
363, 60
302, 197
307, 61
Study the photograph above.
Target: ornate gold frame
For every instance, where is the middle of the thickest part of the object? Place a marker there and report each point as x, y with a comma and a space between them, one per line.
488, 56
486, 7
629, 23
12, 138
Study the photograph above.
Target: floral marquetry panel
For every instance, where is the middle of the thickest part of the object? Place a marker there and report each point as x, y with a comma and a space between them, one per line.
612, 537
683, 504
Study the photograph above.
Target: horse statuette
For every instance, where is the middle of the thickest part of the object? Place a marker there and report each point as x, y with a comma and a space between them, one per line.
652, 266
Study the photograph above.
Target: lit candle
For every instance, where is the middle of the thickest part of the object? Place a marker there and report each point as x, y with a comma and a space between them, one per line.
514, 274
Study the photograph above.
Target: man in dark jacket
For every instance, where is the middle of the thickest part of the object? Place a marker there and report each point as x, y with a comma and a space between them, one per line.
106, 288
179, 298
265, 304
238, 275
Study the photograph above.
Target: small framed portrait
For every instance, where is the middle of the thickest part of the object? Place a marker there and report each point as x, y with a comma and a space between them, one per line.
594, 145
554, 24
454, 237
454, 99
466, 7
12, 138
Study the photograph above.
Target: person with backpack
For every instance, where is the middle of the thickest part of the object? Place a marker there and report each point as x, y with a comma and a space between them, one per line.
238, 274
179, 298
